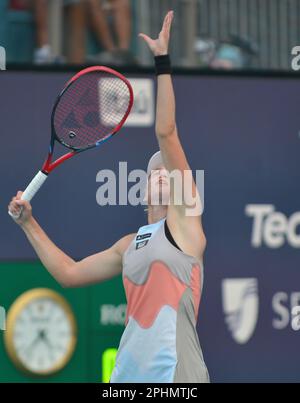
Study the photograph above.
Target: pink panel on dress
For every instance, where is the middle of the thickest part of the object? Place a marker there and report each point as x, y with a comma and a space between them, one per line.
153, 293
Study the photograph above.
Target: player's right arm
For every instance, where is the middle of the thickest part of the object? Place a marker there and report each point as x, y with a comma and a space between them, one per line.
69, 273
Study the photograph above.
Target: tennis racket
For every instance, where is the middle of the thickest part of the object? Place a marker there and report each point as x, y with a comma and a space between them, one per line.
91, 108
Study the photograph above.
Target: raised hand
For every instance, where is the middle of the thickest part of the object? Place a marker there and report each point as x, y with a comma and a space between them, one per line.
160, 45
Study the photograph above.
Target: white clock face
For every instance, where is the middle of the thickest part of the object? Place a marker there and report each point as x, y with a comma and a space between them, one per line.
43, 335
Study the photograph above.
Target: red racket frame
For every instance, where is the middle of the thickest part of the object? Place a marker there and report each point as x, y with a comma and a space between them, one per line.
48, 165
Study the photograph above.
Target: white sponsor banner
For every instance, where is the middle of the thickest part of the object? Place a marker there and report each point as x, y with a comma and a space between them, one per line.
114, 100
142, 113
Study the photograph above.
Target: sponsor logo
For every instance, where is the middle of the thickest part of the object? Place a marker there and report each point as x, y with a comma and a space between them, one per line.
140, 245
142, 240
296, 318
273, 228
112, 315
144, 236
286, 307
240, 305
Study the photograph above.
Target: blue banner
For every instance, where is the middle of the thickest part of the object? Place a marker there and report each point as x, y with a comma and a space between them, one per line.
244, 133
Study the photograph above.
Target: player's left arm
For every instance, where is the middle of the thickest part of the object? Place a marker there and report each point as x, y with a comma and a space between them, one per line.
184, 212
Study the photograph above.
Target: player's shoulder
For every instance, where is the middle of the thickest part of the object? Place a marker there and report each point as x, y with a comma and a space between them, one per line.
188, 233
124, 242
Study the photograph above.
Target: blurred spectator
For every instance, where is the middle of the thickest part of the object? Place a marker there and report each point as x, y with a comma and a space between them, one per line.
76, 25
115, 41
76, 32
42, 53
234, 53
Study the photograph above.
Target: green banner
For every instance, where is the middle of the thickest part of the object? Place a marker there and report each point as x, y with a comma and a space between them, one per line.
99, 313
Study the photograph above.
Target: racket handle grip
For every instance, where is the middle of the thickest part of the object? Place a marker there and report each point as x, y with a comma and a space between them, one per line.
31, 190
34, 186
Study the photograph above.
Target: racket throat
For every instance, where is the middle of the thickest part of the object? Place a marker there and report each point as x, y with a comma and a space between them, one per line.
46, 165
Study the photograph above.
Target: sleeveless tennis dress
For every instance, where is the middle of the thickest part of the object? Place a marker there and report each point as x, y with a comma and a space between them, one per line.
163, 287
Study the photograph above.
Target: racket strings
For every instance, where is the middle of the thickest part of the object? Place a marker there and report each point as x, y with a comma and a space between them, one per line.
91, 109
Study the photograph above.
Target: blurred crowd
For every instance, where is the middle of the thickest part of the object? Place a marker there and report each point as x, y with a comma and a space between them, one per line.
108, 20
110, 24
234, 52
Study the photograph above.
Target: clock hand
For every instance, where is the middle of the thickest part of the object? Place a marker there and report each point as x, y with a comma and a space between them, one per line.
34, 342
45, 339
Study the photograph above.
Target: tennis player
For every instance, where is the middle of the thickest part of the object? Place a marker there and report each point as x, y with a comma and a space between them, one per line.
161, 264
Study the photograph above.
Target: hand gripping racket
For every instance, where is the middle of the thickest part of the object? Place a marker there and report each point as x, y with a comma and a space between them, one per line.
92, 107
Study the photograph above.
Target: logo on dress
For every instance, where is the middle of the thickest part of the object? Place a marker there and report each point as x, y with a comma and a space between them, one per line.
142, 240
140, 245
240, 305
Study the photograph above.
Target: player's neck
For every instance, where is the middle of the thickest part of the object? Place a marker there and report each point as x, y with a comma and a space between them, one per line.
156, 213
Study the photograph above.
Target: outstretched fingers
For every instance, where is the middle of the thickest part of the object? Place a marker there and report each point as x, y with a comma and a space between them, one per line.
168, 22
145, 37
159, 46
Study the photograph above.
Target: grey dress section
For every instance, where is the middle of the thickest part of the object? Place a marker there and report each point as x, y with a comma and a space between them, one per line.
190, 366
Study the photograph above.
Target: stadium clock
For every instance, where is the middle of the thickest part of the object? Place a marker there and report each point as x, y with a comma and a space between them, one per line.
40, 335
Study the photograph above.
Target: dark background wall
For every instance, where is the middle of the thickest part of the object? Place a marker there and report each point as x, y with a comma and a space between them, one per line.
244, 132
